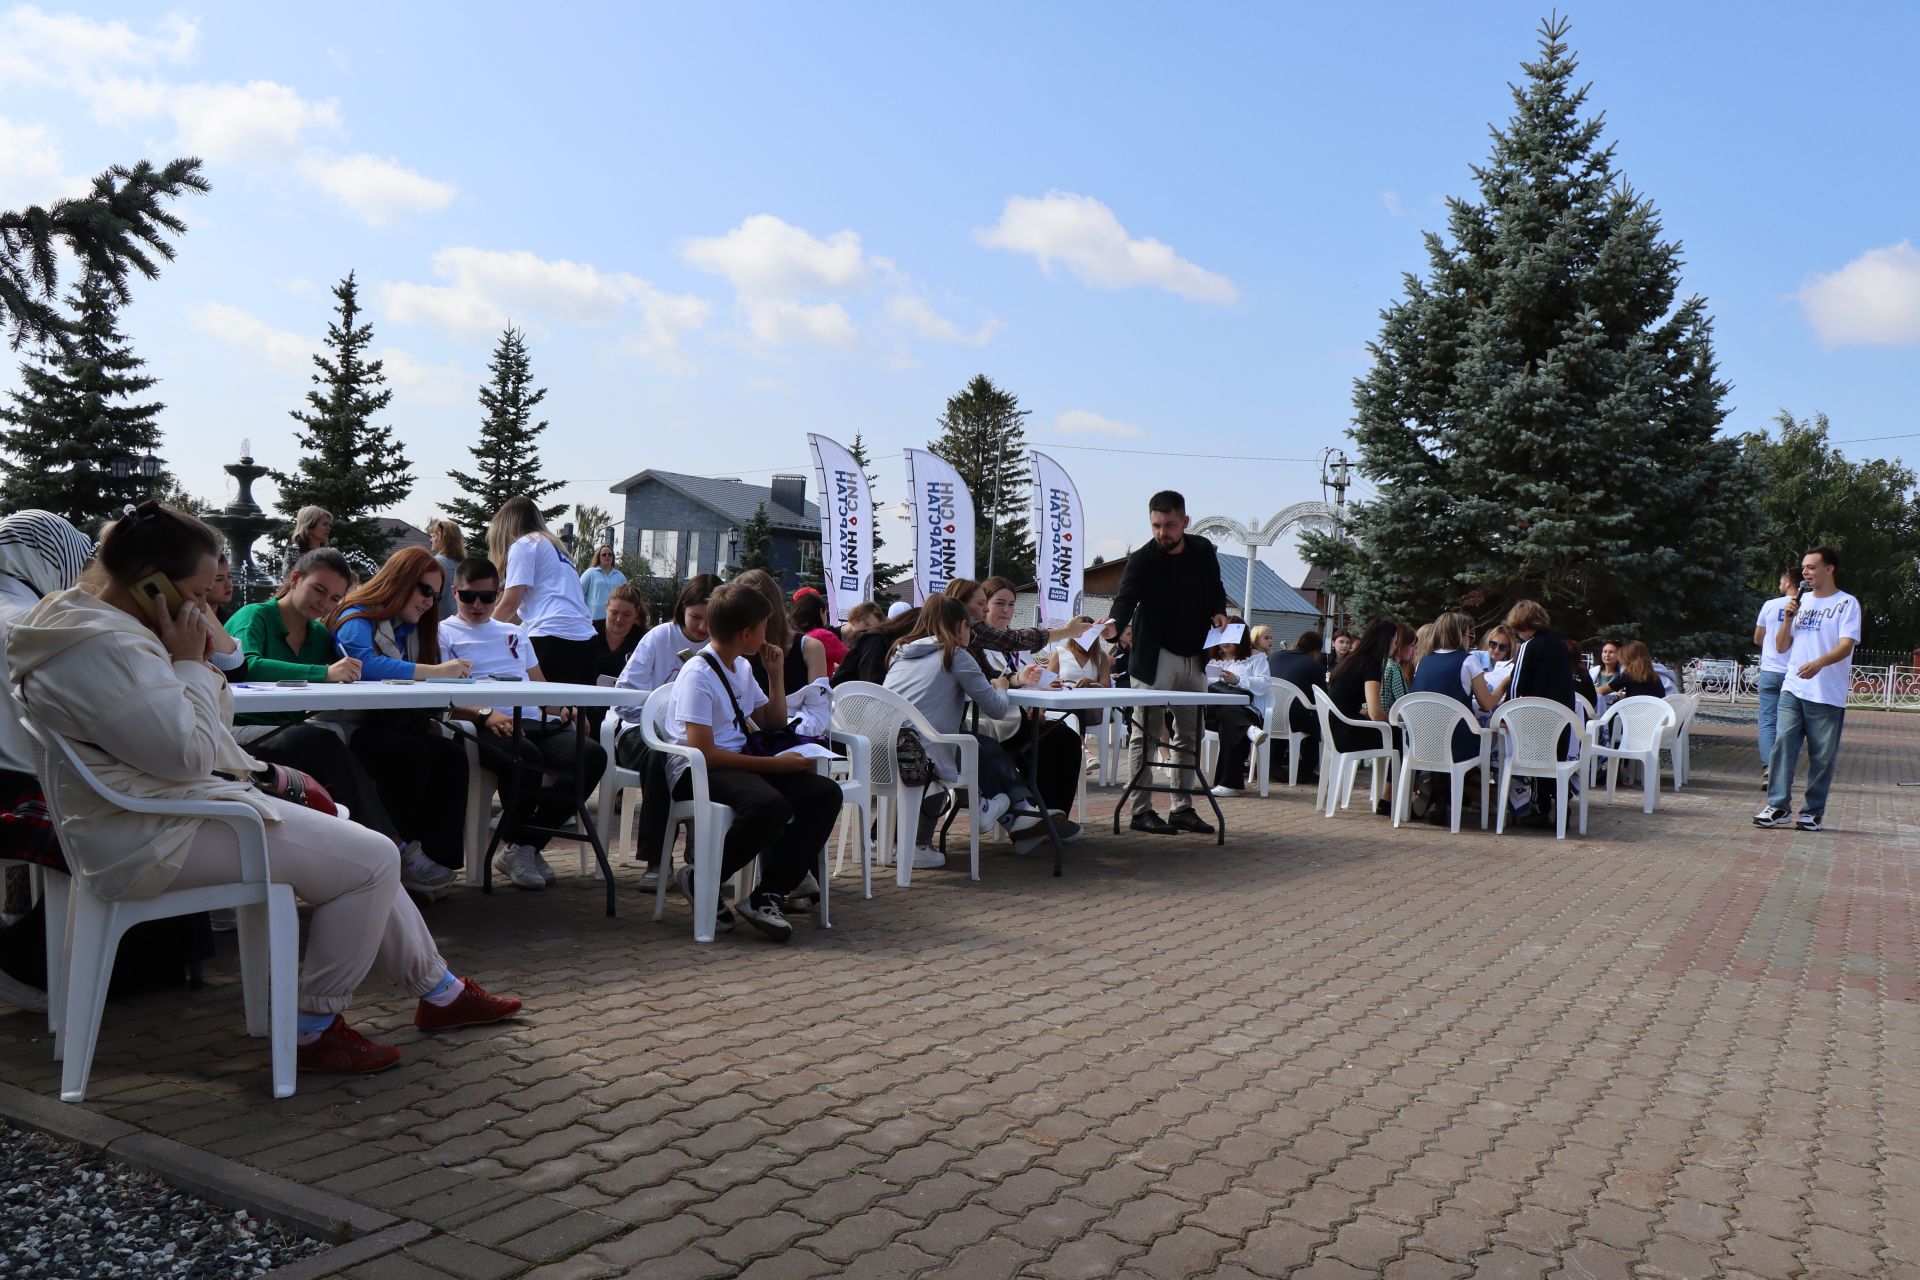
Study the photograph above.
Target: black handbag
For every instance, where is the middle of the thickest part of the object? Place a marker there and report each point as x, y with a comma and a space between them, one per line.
760, 742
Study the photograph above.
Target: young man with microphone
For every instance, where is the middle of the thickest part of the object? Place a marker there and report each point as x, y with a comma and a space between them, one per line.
1818, 632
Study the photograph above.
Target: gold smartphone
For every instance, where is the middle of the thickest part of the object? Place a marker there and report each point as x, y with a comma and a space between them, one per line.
153, 588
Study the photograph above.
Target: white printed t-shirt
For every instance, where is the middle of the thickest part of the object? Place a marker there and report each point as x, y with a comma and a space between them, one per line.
699, 698
552, 604
1817, 628
1768, 623
494, 649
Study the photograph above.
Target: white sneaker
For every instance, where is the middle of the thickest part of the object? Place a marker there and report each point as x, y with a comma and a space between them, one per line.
515, 862
541, 865
928, 858
990, 811
1227, 791
21, 996
1022, 822
422, 874
805, 895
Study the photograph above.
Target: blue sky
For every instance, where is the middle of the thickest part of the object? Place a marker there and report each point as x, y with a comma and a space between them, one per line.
1168, 231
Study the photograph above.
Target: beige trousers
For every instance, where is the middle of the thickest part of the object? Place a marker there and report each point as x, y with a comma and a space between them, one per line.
362, 918
1176, 673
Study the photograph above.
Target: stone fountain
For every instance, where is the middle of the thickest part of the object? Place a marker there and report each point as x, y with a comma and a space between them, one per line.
242, 522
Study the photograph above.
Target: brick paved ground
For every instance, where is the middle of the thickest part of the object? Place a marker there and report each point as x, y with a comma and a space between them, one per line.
1681, 1047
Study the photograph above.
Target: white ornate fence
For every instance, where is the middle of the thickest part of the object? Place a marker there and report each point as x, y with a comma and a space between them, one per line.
1720, 680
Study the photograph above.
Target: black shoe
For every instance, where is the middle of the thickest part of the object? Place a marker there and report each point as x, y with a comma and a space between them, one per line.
1188, 820
762, 911
1151, 822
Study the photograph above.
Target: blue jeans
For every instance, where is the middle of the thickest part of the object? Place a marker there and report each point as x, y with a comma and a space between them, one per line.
1819, 725
1770, 682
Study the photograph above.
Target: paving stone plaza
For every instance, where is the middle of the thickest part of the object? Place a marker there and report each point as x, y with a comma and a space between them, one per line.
1678, 1047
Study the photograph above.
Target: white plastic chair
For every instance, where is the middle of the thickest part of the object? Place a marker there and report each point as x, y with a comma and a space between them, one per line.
1427, 722
1280, 726
268, 923
856, 806
1678, 739
710, 822
1587, 709
1339, 769
876, 713
1533, 727
1638, 726
616, 781
51, 888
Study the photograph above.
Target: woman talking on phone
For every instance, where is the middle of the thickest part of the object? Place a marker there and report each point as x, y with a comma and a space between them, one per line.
119, 665
391, 623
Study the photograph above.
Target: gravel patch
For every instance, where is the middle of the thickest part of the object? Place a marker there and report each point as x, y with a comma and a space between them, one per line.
66, 1212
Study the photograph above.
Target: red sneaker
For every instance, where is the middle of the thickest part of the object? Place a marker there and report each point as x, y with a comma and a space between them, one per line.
472, 1007
342, 1051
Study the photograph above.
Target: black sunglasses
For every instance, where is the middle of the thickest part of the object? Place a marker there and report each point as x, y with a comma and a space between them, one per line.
477, 597
1494, 646
431, 595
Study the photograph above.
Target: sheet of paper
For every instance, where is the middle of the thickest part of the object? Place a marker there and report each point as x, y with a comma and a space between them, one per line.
1091, 636
811, 751
1046, 679
1229, 634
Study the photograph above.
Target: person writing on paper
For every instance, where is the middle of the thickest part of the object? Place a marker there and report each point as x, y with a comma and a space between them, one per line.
1002, 651
546, 750
1241, 667
657, 660
1078, 666
932, 669
1172, 594
115, 668
782, 810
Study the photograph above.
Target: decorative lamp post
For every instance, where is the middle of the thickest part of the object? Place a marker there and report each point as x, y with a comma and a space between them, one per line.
566, 536
150, 468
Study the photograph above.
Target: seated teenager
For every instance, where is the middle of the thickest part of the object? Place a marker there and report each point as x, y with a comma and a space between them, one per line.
1302, 668
615, 637
1356, 684
1242, 668
808, 617
803, 658
1636, 677
863, 617
657, 660
866, 658
547, 747
285, 639
783, 810
1489, 670
135, 693
933, 670
390, 624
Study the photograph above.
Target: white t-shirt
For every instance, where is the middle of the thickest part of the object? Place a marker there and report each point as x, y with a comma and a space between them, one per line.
699, 698
494, 649
1817, 628
655, 661
552, 604
1768, 623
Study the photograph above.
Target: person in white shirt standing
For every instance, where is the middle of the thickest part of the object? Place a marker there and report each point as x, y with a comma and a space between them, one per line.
1773, 665
545, 750
542, 591
1818, 634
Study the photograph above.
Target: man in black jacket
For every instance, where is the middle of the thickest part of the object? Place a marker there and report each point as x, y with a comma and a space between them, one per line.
1172, 594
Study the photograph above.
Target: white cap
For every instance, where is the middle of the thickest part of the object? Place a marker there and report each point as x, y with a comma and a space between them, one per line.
897, 608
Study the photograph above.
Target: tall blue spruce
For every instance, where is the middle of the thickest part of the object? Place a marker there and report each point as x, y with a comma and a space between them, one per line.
1541, 419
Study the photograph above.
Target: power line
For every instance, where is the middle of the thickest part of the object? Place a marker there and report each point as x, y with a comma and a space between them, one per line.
1167, 453
1911, 435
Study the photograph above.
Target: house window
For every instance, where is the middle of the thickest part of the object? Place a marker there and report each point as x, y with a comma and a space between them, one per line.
665, 560
693, 553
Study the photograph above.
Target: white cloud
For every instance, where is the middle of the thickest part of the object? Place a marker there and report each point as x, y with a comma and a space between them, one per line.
261, 127
1873, 300
1393, 203
1085, 235
766, 257
1085, 422
488, 288
914, 313
378, 190
31, 170
282, 350
779, 322
415, 379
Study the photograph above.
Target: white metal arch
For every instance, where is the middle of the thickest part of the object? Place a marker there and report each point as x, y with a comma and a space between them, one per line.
1253, 535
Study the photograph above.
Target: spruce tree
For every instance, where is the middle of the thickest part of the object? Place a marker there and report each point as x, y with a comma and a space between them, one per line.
120, 227
983, 434
507, 455
884, 575
76, 411
348, 465
1541, 414
756, 544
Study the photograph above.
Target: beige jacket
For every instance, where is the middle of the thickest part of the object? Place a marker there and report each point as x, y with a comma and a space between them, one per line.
145, 725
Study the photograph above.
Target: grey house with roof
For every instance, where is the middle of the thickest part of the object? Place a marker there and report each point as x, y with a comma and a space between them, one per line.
680, 525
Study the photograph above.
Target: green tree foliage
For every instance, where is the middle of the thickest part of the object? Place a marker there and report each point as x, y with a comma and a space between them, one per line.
885, 576
1541, 416
983, 434
588, 522
347, 464
1811, 496
756, 544
506, 458
79, 408
120, 227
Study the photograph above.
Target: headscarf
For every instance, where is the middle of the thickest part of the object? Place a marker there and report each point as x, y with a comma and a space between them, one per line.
42, 550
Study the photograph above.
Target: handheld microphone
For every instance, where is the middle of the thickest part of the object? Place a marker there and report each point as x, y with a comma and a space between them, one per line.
1806, 585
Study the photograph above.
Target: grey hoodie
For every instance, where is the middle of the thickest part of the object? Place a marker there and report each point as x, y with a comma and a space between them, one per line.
918, 675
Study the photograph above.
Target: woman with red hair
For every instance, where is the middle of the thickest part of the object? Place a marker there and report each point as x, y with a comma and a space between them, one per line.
391, 623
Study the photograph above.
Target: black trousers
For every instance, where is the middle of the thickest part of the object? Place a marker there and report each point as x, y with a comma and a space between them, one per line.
1062, 757
318, 750
784, 819
1232, 723
566, 661
422, 777
543, 799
